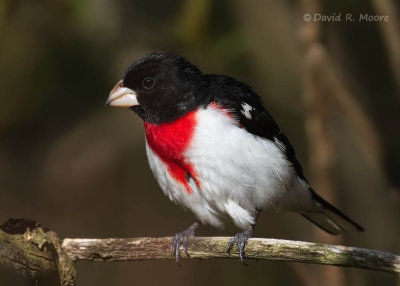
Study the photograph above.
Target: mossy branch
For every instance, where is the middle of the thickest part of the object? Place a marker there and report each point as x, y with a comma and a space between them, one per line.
32, 255
147, 248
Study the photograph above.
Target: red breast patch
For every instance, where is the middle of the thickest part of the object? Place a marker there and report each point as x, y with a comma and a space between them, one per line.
170, 141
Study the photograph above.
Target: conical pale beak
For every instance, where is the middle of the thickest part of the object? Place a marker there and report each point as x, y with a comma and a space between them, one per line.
122, 96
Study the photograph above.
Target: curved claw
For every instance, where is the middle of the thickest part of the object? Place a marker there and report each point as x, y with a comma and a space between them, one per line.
184, 244
231, 243
181, 239
240, 239
176, 245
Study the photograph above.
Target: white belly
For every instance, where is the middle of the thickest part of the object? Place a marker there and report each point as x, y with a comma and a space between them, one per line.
238, 172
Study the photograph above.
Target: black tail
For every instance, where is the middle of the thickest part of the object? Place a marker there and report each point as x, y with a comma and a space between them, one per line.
330, 218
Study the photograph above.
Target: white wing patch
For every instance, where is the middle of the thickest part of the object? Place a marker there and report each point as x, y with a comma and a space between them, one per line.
280, 144
246, 110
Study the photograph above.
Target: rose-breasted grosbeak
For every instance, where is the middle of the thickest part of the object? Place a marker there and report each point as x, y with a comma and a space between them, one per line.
214, 148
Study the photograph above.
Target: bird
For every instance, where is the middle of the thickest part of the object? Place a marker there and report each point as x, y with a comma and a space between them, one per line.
215, 150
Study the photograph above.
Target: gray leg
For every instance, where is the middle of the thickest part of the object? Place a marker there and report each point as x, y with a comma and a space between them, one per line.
181, 239
241, 238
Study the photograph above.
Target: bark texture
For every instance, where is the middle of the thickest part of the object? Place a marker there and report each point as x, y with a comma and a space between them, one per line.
32, 255
147, 248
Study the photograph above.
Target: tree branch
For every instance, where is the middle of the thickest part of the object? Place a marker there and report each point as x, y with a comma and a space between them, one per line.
34, 255
147, 248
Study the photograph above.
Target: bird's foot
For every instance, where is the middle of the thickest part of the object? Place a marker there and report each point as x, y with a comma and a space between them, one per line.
181, 239
240, 239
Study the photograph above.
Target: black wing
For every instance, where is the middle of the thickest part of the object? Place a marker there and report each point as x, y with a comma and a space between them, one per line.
248, 108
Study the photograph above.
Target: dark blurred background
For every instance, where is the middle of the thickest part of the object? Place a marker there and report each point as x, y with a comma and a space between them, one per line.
80, 168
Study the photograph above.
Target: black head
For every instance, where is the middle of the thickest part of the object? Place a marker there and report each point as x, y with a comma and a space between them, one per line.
161, 87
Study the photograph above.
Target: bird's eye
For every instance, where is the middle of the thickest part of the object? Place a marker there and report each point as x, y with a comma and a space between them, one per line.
148, 83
